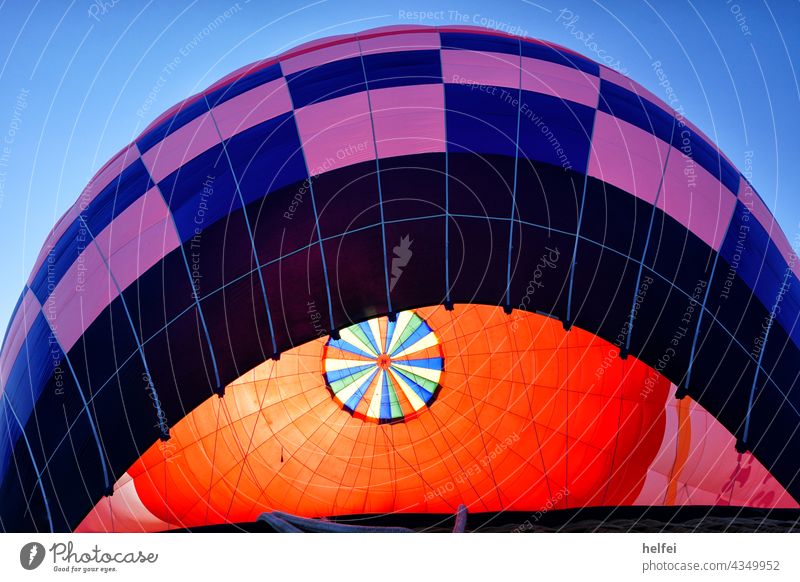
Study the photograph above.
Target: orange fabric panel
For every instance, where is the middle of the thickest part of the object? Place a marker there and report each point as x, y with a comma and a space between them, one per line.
527, 414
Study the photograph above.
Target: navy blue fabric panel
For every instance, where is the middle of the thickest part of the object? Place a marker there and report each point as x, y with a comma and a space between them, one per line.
736, 307
128, 425
200, 192
722, 375
757, 260
615, 218
664, 323
470, 175
347, 198
696, 147
328, 81
394, 69
548, 195
630, 107
480, 121
162, 292
266, 157
774, 437
479, 42
74, 472
603, 288
298, 299
220, 254
238, 326
413, 186
540, 262
172, 124
788, 313
14, 313
554, 55
60, 258
283, 221
9, 439
64, 446
39, 359
244, 84
555, 131
779, 360
104, 346
18, 481
478, 254
671, 245
129, 186
178, 357
352, 303
415, 252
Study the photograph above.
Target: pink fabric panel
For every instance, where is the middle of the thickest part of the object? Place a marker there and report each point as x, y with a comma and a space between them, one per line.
259, 104
17, 332
138, 238
81, 295
401, 42
409, 120
480, 68
627, 157
336, 133
55, 234
715, 473
654, 489
320, 56
181, 146
696, 199
123, 511
559, 81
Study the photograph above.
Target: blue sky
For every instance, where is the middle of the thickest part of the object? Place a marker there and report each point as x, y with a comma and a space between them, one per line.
80, 80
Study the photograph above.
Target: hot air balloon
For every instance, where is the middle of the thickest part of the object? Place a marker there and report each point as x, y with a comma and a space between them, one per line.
399, 272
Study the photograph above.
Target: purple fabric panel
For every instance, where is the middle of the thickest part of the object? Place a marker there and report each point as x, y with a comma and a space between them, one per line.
322, 56
336, 133
179, 147
81, 295
696, 199
409, 120
138, 238
480, 68
559, 81
627, 157
253, 107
